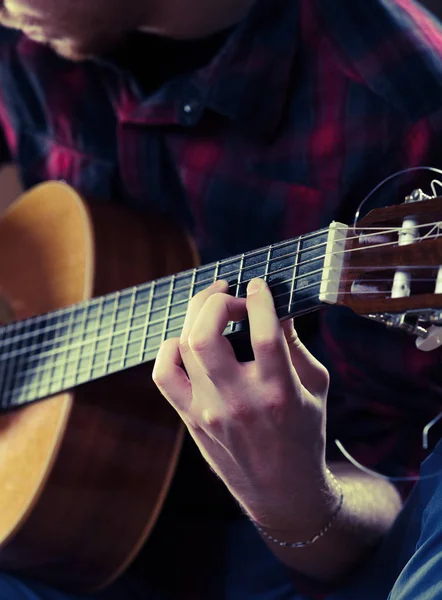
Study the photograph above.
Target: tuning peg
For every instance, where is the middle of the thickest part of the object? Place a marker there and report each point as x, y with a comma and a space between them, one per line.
431, 340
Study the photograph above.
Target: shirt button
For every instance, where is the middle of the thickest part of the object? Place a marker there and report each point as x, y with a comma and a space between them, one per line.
191, 112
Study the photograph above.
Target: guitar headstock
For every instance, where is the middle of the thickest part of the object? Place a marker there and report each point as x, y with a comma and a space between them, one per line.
392, 270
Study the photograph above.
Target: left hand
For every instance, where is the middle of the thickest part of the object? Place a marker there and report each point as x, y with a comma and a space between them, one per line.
260, 425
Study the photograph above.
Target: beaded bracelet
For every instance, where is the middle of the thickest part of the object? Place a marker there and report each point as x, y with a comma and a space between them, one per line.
318, 535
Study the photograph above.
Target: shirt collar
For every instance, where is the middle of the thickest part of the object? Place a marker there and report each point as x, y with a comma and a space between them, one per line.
249, 79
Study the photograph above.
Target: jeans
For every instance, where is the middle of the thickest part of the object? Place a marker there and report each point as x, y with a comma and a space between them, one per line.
408, 564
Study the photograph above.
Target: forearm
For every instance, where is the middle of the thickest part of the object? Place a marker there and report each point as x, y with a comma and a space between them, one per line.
369, 507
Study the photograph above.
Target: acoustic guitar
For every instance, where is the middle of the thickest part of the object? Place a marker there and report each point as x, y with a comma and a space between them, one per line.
84, 473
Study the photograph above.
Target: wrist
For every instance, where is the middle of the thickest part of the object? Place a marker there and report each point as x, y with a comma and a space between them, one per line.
303, 527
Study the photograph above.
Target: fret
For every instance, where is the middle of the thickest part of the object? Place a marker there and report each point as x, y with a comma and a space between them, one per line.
3, 361
74, 349
238, 293
146, 323
179, 304
192, 285
86, 327
88, 344
13, 371
255, 265
204, 277
91, 348
216, 274
310, 262
112, 324
5, 366
55, 357
128, 328
40, 378
168, 306
158, 315
228, 269
295, 272
267, 265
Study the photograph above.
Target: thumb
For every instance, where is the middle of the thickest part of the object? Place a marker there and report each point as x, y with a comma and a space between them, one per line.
312, 374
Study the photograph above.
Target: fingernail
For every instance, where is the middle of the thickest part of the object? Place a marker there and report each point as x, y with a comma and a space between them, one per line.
254, 286
219, 284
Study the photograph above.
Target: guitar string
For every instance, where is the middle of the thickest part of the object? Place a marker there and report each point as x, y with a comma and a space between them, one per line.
31, 388
155, 336
166, 280
68, 338
87, 305
74, 362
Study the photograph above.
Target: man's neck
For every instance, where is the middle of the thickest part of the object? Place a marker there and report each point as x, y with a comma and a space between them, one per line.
187, 19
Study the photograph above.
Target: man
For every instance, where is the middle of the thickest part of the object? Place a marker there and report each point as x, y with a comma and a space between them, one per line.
247, 121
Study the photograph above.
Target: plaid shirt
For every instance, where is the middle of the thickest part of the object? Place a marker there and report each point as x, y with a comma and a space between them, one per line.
307, 105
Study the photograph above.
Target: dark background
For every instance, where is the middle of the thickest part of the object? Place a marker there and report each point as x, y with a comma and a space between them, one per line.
434, 5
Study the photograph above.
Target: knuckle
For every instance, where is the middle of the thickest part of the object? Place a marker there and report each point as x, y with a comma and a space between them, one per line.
159, 376
267, 345
243, 413
276, 409
276, 401
184, 346
213, 420
199, 343
323, 376
216, 300
320, 376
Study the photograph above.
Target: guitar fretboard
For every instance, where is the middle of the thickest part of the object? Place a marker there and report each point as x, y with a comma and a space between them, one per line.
51, 353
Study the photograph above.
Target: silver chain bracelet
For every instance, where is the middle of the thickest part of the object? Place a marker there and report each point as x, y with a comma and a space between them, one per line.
318, 535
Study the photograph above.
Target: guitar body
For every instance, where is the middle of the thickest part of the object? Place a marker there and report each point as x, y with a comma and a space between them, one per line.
83, 475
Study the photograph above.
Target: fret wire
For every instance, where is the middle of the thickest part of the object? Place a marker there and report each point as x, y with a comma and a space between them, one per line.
241, 266
38, 381
3, 365
83, 330
267, 263
155, 350
11, 371
128, 327
49, 362
112, 333
14, 370
168, 307
295, 267
103, 337
63, 363
191, 288
216, 274
65, 351
144, 336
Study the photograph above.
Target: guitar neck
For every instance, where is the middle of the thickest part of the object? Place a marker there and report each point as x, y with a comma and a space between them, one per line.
51, 353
